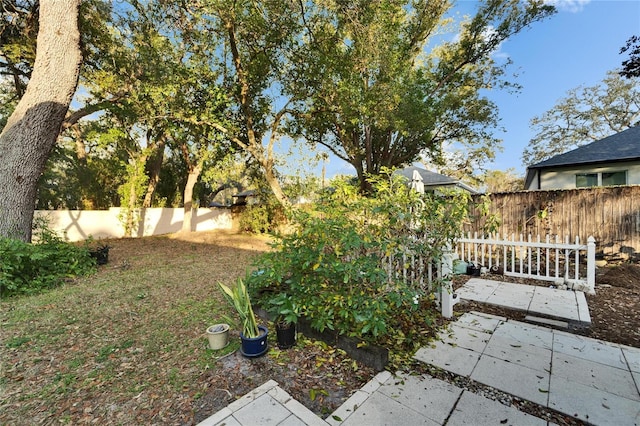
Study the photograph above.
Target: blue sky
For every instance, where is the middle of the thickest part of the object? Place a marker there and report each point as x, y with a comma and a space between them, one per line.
576, 46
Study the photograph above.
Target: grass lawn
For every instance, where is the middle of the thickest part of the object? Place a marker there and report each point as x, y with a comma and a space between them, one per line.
126, 345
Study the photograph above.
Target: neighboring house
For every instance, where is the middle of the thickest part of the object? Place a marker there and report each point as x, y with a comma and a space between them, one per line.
245, 197
432, 181
614, 160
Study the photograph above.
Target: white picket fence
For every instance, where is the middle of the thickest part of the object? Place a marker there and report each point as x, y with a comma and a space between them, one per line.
567, 264
562, 262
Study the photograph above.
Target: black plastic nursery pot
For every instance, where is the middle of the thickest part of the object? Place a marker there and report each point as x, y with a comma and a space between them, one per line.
252, 347
473, 270
286, 335
100, 254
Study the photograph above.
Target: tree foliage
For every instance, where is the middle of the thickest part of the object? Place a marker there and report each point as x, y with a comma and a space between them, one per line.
341, 265
585, 115
631, 66
501, 181
375, 99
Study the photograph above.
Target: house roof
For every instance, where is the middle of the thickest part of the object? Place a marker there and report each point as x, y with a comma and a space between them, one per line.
430, 178
622, 146
247, 193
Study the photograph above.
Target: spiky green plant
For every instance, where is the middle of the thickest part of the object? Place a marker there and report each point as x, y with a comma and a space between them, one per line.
238, 297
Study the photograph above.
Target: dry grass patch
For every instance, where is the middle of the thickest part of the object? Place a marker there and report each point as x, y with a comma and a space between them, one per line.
126, 345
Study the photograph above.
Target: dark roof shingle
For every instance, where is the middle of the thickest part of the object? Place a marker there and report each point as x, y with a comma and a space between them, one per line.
619, 147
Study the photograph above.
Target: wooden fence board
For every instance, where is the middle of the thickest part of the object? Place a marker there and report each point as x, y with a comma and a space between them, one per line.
610, 214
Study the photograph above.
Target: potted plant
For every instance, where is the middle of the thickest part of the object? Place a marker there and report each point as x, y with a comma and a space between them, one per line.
218, 336
253, 336
286, 317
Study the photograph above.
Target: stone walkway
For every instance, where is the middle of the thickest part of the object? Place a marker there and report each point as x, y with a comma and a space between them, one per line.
594, 381
557, 307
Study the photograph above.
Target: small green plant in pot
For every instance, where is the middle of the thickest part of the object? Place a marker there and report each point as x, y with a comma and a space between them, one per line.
286, 316
253, 336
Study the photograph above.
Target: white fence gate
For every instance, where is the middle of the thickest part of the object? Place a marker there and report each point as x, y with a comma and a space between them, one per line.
564, 263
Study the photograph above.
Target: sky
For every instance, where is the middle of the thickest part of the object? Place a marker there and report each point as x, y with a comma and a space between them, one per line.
574, 47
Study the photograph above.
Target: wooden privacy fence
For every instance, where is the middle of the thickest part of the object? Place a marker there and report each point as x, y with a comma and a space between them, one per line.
563, 262
610, 214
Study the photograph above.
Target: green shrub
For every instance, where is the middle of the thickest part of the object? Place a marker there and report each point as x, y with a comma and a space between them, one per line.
262, 218
27, 268
335, 264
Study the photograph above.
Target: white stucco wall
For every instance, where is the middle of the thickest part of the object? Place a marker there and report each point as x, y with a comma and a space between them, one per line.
566, 178
78, 225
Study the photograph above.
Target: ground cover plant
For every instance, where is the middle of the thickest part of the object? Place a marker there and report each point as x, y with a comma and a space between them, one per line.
31, 268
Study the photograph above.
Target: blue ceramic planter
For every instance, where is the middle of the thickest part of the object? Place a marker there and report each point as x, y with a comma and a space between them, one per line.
254, 346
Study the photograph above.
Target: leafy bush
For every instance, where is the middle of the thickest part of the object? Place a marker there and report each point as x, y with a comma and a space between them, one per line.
262, 218
338, 265
30, 268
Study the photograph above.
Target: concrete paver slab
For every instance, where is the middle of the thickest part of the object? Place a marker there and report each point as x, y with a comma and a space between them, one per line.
599, 376
455, 359
532, 385
265, 410
632, 356
548, 301
516, 296
525, 334
533, 357
465, 338
379, 409
291, 421
480, 321
547, 321
428, 396
583, 308
267, 404
592, 405
229, 421
478, 289
589, 349
358, 398
476, 410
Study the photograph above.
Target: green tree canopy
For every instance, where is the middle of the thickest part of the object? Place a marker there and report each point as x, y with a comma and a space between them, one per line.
585, 115
631, 66
372, 86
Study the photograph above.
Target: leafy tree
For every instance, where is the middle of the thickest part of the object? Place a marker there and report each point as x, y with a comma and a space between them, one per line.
631, 66
367, 91
18, 32
32, 129
502, 181
585, 115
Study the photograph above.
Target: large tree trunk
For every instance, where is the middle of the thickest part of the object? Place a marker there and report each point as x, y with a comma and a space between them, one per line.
154, 165
34, 126
192, 179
